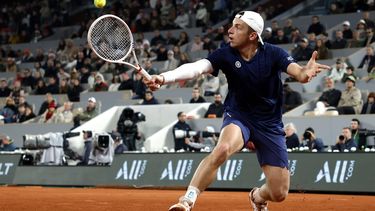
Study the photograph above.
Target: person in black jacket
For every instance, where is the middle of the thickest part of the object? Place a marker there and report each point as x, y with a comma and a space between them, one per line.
292, 140
369, 106
216, 109
292, 98
74, 90
330, 96
196, 96
179, 142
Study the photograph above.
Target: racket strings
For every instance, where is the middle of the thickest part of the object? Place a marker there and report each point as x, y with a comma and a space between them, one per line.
110, 39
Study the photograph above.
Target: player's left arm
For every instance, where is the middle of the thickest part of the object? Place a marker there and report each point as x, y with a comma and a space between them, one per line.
306, 73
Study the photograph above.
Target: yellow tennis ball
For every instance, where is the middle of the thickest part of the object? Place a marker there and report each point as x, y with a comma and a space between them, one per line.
99, 3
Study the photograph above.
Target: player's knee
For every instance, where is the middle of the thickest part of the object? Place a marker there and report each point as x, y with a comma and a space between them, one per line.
221, 154
279, 195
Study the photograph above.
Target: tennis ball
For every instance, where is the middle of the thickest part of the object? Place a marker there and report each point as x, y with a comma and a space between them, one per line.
99, 3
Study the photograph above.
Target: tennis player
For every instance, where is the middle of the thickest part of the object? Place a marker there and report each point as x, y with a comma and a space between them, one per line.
252, 107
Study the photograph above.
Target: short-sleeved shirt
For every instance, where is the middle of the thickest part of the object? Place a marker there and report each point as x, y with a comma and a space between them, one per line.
254, 87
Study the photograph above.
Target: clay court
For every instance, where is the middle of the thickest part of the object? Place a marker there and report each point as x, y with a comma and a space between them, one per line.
53, 198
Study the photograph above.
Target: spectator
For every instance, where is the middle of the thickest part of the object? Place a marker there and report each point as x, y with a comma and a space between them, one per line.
369, 106
339, 42
100, 84
149, 99
361, 29
21, 114
302, 52
351, 98
52, 86
349, 72
91, 110
337, 71
330, 96
50, 114
316, 27
197, 44
63, 87
183, 38
201, 15
292, 98
366, 17
41, 88
356, 42
288, 27
157, 39
323, 52
345, 141
6, 144
208, 44
139, 87
126, 82
74, 90
368, 61
295, 36
216, 109
196, 96
48, 100
170, 39
181, 125
370, 38
149, 68
29, 113
4, 89
9, 111
64, 114
360, 139
346, 31
182, 20
267, 35
311, 141
292, 140
171, 63
280, 37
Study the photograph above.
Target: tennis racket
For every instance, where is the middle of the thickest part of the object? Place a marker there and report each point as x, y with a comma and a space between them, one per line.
111, 39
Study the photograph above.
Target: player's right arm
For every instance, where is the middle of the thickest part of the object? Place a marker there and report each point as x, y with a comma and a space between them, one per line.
184, 72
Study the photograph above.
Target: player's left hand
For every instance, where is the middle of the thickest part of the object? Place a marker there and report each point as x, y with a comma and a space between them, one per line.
312, 68
155, 82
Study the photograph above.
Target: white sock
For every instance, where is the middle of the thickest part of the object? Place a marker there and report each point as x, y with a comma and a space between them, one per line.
192, 193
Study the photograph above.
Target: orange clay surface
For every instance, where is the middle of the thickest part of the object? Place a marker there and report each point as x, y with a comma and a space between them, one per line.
101, 199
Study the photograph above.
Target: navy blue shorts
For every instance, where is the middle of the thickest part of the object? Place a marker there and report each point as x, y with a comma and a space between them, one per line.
270, 147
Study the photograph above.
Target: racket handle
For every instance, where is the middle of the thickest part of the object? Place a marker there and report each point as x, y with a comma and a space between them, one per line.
144, 73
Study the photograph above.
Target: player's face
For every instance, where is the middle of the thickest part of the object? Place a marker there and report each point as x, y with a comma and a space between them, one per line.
239, 33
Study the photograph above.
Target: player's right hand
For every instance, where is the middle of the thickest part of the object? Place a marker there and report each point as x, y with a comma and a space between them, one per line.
155, 82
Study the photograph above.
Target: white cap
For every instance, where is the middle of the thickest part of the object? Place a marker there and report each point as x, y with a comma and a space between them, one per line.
254, 20
268, 29
92, 99
347, 23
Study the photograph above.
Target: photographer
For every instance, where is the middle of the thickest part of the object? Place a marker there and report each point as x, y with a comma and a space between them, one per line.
345, 141
119, 146
103, 150
127, 127
204, 140
310, 140
87, 137
180, 143
6, 144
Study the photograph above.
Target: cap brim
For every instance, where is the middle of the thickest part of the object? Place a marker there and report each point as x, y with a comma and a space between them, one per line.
260, 39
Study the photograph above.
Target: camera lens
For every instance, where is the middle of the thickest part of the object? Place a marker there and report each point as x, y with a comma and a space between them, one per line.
341, 138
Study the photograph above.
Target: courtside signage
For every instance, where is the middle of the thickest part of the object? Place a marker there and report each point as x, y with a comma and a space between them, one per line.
229, 170
132, 170
177, 170
4, 168
336, 172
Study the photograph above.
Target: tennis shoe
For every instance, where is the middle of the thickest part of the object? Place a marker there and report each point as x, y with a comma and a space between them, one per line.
257, 206
184, 204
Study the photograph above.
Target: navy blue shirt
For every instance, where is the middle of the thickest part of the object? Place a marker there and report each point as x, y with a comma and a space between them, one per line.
255, 89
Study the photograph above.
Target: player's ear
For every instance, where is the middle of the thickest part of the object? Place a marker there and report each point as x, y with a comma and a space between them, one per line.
253, 36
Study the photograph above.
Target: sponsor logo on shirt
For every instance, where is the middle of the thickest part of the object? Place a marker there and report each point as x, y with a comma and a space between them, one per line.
237, 64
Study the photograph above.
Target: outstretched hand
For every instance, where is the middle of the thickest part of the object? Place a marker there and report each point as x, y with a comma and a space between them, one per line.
155, 82
312, 68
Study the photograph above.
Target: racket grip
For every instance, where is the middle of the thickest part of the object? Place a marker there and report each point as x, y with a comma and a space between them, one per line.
145, 73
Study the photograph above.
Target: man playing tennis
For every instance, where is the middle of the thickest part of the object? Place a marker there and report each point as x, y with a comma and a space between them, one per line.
252, 107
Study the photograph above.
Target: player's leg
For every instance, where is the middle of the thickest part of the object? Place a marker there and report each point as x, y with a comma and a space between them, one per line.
230, 141
277, 184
